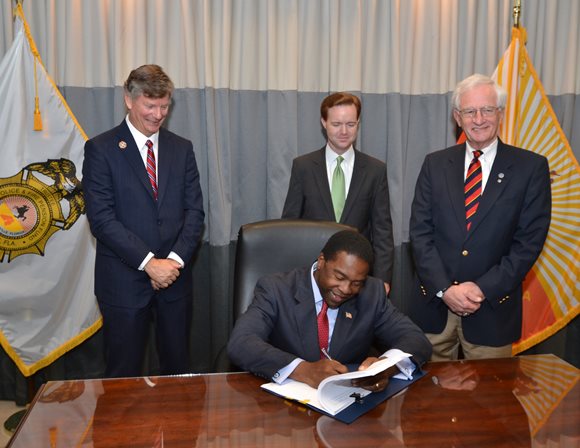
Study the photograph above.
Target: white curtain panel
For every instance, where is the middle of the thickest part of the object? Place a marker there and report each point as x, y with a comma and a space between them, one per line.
250, 75
371, 46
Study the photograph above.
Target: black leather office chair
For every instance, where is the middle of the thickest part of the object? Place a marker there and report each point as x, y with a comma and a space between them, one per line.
276, 245
270, 246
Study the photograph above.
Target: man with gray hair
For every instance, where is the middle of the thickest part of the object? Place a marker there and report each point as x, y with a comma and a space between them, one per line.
479, 219
145, 208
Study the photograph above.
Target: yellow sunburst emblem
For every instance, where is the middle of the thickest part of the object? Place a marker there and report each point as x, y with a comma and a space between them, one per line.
31, 210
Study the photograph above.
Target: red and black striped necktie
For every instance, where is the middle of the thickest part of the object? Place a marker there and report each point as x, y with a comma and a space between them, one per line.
151, 167
472, 187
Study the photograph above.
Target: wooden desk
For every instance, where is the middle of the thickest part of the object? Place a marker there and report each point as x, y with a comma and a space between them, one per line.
489, 403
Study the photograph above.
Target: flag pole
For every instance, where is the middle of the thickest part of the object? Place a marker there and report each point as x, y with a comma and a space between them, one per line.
13, 420
516, 12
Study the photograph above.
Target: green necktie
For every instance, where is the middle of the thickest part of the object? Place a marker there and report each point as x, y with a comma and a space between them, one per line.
338, 189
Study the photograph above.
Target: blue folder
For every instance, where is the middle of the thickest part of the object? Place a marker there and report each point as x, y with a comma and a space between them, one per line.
369, 402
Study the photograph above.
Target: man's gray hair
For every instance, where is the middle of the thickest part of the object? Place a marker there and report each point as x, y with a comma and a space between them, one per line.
474, 81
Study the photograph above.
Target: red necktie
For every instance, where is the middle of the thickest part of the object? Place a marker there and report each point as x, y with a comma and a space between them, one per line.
151, 167
472, 187
322, 320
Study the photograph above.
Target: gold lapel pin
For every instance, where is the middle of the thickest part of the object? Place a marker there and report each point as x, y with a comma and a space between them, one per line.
122, 144
348, 315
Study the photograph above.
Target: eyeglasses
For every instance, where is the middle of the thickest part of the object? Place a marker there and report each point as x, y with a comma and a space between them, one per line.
488, 111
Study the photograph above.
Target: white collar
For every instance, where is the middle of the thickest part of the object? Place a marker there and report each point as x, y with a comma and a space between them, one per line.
331, 156
139, 137
489, 149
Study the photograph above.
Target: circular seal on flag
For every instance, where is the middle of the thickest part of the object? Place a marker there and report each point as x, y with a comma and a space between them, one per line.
31, 210
20, 215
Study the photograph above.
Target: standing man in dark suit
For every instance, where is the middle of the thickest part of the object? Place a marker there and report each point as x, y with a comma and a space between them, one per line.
479, 220
144, 205
279, 336
364, 201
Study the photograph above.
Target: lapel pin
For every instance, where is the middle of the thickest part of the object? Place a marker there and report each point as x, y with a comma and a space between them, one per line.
500, 177
348, 315
122, 144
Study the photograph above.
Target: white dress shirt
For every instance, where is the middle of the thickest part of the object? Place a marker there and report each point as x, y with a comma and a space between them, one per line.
347, 166
140, 140
486, 160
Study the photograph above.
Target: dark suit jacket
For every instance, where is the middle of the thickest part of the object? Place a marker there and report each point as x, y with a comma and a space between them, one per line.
280, 325
506, 237
366, 207
128, 223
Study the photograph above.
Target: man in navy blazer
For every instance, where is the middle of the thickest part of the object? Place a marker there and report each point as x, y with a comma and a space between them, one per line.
277, 337
468, 289
367, 199
146, 213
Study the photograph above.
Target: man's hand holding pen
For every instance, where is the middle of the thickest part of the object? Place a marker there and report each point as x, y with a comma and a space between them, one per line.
312, 373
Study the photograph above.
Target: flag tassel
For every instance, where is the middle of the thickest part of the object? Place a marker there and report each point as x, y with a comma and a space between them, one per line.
37, 124
37, 116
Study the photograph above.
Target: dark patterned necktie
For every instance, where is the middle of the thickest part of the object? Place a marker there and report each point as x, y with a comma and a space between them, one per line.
472, 188
323, 331
151, 167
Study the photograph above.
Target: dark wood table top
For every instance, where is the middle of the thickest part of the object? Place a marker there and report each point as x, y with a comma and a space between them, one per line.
516, 402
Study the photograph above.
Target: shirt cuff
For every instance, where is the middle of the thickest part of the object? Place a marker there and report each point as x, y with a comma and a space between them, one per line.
282, 374
406, 366
145, 261
176, 257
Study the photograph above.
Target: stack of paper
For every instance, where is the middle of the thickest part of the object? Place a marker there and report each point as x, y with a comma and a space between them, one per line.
335, 393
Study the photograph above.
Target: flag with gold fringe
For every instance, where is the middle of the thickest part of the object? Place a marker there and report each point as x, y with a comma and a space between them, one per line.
47, 304
551, 288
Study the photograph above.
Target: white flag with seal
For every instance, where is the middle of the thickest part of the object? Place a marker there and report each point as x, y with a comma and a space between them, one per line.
47, 302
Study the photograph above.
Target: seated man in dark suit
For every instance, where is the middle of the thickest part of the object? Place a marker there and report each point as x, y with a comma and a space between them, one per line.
308, 323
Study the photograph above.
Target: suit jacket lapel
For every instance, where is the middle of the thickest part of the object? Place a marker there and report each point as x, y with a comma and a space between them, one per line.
347, 315
164, 156
303, 312
308, 334
133, 156
499, 178
356, 182
321, 179
454, 176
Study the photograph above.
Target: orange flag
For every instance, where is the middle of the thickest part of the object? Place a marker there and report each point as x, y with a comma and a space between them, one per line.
551, 288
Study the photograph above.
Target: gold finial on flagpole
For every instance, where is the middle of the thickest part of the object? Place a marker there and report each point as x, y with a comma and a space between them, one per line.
517, 12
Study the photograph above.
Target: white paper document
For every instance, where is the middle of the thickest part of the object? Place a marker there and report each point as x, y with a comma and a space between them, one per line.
334, 393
